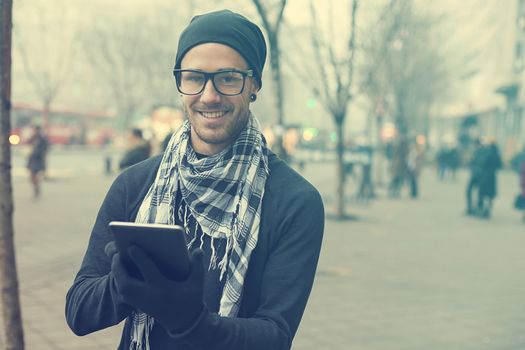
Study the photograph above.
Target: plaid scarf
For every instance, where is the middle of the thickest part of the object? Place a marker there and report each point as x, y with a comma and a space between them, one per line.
223, 193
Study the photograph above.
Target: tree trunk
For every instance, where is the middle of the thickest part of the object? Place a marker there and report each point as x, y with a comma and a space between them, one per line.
379, 152
14, 335
340, 187
279, 97
277, 80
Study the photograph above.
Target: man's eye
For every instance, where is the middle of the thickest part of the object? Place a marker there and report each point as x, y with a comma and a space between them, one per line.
195, 78
229, 79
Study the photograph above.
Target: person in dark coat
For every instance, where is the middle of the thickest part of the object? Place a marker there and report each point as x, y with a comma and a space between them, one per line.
454, 161
139, 149
476, 169
399, 168
522, 184
36, 162
517, 161
491, 163
442, 162
415, 160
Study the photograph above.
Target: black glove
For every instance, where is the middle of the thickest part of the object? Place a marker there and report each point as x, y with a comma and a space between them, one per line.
176, 305
111, 249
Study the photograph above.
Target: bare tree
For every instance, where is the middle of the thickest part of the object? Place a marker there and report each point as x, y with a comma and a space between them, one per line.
12, 314
116, 49
133, 58
407, 70
271, 14
47, 54
374, 81
404, 75
331, 79
336, 97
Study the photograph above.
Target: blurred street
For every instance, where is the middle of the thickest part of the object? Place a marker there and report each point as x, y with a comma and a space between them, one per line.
406, 274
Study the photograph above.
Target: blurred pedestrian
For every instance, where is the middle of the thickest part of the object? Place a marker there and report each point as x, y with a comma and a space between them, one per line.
454, 161
138, 149
491, 163
522, 182
253, 225
398, 168
166, 141
366, 186
442, 158
414, 166
36, 162
520, 200
476, 169
517, 161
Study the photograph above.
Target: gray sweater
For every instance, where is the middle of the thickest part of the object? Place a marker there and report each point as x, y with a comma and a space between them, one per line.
277, 284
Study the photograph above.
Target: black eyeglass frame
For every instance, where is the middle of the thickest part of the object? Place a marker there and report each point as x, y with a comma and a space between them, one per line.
210, 76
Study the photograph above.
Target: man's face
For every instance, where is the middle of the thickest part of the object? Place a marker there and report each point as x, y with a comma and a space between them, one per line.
216, 120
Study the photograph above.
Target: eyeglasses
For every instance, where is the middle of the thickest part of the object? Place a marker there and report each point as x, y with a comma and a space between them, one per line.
227, 82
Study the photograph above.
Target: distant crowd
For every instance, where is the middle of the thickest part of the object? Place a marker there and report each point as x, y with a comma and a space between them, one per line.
484, 162
406, 160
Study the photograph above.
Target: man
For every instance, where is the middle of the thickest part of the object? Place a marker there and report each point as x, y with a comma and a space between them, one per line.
488, 179
36, 162
399, 168
254, 225
522, 185
138, 149
476, 171
414, 165
517, 161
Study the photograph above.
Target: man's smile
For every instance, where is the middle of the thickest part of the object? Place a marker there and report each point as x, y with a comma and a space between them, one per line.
212, 114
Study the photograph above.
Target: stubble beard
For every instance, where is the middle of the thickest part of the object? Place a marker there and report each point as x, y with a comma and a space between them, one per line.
226, 134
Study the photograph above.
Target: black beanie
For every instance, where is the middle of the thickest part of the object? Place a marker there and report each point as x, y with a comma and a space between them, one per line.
227, 28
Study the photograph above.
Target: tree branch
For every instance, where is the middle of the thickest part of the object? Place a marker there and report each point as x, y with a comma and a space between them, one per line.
325, 93
351, 48
280, 16
263, 14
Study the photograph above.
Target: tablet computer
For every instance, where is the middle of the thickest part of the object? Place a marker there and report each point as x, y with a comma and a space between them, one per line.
164, 244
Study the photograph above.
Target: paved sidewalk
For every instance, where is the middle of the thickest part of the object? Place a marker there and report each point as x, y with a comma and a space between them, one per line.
416, 274
408, 274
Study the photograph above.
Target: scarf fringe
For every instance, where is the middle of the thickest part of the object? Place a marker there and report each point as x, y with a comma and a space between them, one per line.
223, 264
140, 332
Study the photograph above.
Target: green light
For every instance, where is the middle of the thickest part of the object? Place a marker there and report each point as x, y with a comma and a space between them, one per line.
311, 103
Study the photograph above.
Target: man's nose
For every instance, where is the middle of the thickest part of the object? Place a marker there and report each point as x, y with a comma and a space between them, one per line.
209, 94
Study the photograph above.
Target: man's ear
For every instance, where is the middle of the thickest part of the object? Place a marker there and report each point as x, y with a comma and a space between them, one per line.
255, 86
253, 91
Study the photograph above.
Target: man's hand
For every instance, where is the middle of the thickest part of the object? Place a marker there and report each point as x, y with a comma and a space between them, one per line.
176, 305
110, 249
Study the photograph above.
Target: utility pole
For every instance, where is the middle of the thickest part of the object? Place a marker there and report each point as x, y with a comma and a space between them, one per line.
12, 316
